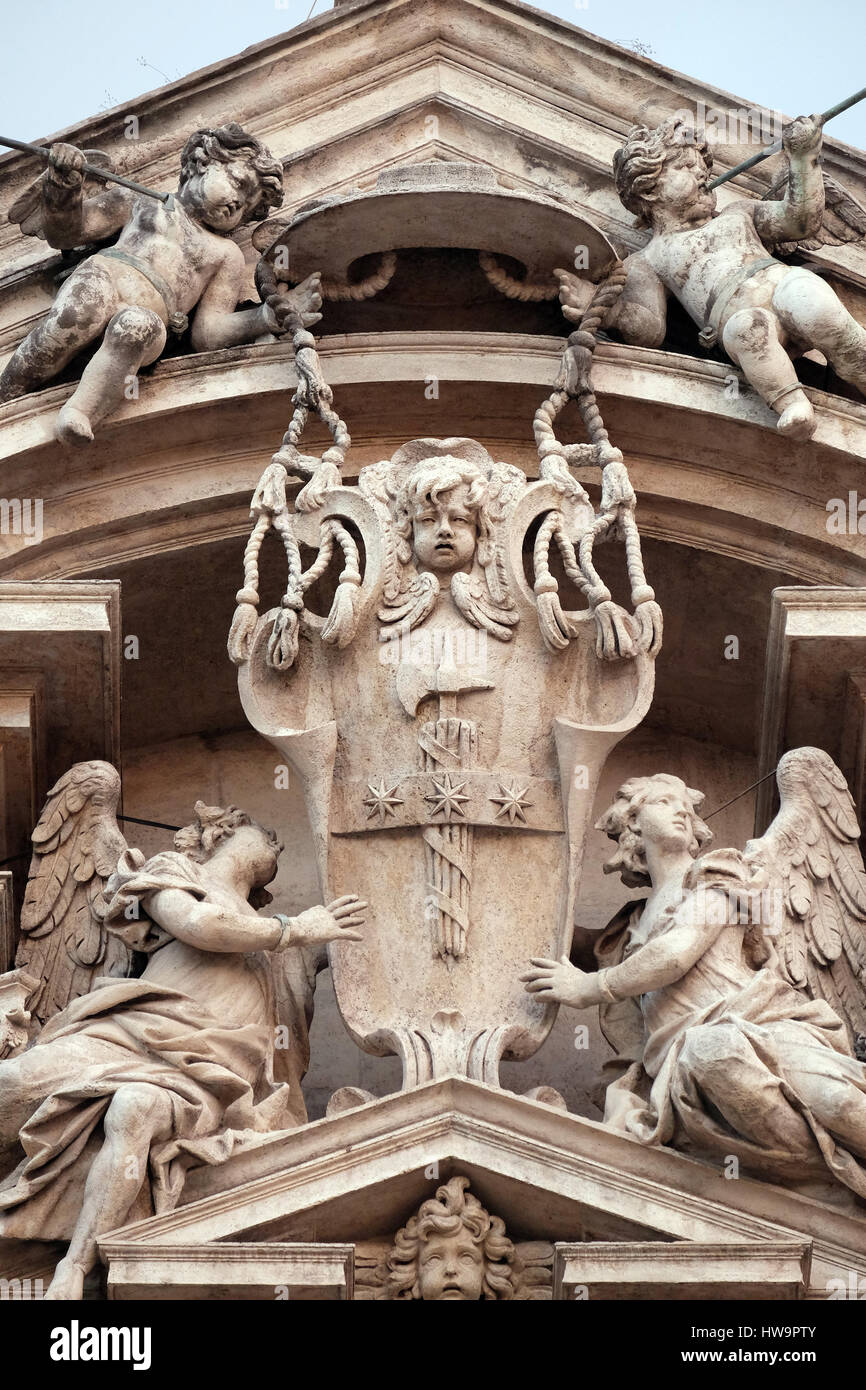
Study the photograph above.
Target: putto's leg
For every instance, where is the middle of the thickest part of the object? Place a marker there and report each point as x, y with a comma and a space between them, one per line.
78, 315
133, 338
810, 310
138, 1114
751, 339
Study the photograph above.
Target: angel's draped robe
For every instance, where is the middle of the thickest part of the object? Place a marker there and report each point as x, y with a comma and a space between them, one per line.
738, 1032
227, 1081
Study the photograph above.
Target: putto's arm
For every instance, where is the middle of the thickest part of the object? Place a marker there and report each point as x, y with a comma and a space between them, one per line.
68, 218
640, 313
800, 213
217, 324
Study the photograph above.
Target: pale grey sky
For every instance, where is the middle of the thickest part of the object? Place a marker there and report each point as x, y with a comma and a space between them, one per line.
62, 63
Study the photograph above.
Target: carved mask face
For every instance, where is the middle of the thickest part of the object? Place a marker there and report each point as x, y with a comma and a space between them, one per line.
451, 1268
665, 818
681, 187
222, 194
445, 532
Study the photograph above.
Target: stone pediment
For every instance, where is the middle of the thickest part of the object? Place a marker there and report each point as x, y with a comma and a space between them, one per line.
607, 1203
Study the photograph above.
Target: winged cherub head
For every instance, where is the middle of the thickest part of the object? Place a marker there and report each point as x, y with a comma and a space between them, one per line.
452, 1250
442, 512
662, 808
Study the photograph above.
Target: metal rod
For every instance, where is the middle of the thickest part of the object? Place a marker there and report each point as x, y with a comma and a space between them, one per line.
775, 148
725, 806
91, 169
160, 824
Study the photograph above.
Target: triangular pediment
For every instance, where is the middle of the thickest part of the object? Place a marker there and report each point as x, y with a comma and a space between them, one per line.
549, 1175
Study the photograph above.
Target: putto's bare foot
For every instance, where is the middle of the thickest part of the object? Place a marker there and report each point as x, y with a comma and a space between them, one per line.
797, 421
73, 426
68, 1282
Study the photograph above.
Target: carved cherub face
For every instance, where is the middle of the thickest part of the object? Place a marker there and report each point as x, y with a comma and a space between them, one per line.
228, 177
451, 1268
666, 169
681, 187
223, 194
452, 1250
445, 530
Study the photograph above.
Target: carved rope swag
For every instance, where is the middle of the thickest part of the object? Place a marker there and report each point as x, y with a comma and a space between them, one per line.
615, 519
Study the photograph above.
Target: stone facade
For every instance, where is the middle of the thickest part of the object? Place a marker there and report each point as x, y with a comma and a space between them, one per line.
450, 215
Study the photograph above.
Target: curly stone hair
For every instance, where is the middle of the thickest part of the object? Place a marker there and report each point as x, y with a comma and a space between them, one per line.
638, 163
619, 823
432, 477
452, 1209
212, 825
223, 144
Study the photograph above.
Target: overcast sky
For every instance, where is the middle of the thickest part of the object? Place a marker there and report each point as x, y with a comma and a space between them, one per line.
62, 63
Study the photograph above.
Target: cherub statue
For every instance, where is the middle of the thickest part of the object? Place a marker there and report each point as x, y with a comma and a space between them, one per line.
452, 1250
170, 259
136, 1080
716, 263
749, 971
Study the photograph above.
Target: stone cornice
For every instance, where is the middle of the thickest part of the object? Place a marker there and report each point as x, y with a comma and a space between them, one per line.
620, 1184
177, 466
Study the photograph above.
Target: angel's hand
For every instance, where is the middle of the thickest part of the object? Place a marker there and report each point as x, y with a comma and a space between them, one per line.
339, 921
66, 165
560, 982
802, 136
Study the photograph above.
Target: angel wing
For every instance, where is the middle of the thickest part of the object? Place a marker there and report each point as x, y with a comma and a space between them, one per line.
480, 607
412, 604
812, 858
26, 211
844, 217
76, 846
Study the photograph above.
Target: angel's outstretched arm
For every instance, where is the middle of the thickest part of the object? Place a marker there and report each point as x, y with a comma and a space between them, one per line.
218, 929
668, 957
800, 212
660, 962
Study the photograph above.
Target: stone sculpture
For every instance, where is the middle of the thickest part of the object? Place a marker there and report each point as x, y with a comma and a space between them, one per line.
135, 1080
449, 716
172, 260
716, 262
452, 1250
735, 990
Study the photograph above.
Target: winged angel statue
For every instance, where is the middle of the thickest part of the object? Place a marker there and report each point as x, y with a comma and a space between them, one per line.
130, 1081
735, 994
